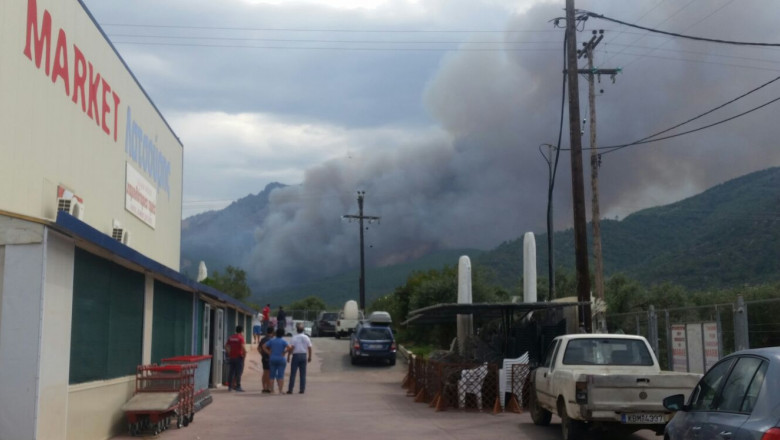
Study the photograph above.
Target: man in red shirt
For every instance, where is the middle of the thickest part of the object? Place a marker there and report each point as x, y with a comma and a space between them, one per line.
234, 347
266, 317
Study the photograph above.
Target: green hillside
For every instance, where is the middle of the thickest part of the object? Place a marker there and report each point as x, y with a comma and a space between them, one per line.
727, 236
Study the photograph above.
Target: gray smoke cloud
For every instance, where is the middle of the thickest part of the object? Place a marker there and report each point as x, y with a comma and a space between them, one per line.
485, 181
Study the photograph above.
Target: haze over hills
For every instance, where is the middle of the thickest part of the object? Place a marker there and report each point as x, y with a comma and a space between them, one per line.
224, 237
726, 236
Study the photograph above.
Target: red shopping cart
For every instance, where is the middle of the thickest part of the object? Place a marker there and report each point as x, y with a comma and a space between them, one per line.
162, 393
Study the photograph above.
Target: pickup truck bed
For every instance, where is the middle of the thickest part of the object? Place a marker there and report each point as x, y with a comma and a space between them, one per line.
608, 381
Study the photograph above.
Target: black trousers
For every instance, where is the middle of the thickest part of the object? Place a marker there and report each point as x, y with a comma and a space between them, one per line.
236, 369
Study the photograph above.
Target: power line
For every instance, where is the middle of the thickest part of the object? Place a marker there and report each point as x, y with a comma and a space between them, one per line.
662, 22
618, 147
296, 40
367, 49
649, 139
390, 31
690, 27
674, 34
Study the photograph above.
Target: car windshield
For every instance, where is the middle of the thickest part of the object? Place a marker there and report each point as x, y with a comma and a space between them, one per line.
607, 351
375, 334
329, 316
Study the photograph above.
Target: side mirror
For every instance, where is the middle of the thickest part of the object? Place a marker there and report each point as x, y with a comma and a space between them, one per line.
675, 403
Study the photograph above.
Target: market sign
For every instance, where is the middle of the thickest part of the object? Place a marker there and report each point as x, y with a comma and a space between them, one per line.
140, 196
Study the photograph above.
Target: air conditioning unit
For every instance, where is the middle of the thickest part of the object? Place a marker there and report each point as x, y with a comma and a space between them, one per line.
121, 235
72, 206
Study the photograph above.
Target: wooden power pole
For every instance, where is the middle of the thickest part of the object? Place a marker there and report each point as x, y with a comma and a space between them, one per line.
360, 217
578, 191
595, 162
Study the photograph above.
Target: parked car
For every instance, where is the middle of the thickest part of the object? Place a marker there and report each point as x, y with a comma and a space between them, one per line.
325, 324
348, 319
736, 399
372, 341
612, 382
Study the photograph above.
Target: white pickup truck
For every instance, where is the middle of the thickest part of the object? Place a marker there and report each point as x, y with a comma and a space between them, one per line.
606, 381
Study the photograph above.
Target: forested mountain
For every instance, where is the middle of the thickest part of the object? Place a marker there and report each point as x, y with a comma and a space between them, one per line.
726, 236
224, 237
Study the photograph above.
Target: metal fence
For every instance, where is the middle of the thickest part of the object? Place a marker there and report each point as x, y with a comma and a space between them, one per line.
740, 325
465, 386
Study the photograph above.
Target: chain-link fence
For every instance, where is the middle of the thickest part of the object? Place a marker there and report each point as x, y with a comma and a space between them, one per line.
715, 329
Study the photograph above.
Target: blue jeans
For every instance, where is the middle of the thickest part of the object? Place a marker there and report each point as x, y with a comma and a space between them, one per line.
299, 361
277, 367
236, 368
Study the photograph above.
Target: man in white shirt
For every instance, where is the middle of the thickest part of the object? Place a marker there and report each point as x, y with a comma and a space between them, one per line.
298, 357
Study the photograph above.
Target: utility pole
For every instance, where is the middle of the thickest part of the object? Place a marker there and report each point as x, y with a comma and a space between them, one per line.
360, 217
578, 192
551, 164
595, 163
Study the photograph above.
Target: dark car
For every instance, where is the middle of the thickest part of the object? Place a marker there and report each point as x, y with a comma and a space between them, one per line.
325, 324
737, 399
372, 342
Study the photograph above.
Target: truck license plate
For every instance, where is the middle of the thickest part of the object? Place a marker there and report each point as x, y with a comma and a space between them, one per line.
641, 418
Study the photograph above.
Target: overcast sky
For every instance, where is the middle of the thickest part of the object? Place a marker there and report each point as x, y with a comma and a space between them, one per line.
437, 108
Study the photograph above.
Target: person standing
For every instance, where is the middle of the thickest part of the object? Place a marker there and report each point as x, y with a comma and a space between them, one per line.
281, 319
301, 350
236, 353
265, 359
266, 317
277, 348
257, 327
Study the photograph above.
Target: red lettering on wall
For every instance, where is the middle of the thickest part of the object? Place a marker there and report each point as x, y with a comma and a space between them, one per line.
94, 82
40, 39
116, 114
61, 62
79, 77
106, 107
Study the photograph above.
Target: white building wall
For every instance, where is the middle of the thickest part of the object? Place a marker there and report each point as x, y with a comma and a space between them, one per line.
55, 339
49, 140
20, 340
37, 281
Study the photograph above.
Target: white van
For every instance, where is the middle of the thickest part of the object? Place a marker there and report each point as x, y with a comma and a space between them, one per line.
348, 319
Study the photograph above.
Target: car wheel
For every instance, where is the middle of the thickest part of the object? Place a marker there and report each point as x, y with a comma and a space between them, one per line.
539, 415
570, 429
392, 361
338, 336
352, 359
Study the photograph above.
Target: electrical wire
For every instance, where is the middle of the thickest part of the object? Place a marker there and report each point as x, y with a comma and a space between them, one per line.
648, 139
362, 49
619, 147
674, 34
389, 31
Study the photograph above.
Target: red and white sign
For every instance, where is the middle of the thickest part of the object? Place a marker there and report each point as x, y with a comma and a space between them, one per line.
679, 348
140, 196
711, 344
